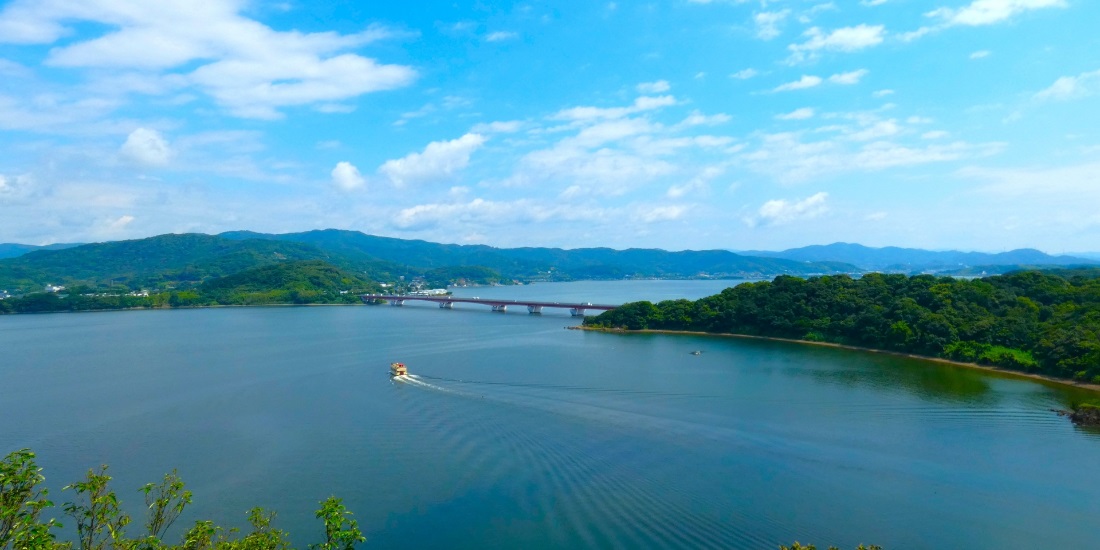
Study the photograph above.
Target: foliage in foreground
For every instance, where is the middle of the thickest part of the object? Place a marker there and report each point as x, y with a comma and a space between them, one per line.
1041, 322
101, 524
797, 546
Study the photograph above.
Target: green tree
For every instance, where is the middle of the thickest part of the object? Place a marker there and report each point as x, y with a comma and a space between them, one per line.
341, 532
99, 520
22, 502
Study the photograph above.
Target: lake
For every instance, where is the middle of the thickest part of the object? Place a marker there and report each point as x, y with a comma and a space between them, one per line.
514, 432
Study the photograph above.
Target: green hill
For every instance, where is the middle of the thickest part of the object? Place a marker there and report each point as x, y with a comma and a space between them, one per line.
1043, 322
165, 261
291, 282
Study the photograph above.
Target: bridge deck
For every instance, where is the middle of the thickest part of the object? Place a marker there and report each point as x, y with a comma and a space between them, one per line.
487, 301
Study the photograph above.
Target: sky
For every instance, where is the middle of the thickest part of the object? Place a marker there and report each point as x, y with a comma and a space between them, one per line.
675, 124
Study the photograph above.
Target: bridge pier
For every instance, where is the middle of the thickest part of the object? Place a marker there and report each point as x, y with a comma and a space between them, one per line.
577, 311
534, 309
447, 305
501, 308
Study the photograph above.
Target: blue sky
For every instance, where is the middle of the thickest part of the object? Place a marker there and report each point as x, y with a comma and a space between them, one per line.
679, 124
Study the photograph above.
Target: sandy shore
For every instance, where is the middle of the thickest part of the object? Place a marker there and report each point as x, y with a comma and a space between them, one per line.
1009, 373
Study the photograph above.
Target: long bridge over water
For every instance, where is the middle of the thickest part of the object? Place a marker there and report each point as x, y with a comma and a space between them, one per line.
448, 302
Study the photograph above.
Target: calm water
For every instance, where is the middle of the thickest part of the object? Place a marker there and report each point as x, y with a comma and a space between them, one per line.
517, 433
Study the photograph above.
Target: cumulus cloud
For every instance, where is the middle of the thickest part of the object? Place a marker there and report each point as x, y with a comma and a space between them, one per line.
744, 74
347, 177
1072, 87
657, 87
846, 39
980, 54
849, 78
644, 103
781, 211
247, 67
500, 36
438, 161
979, 13
797, 114
988, 12
788, 158
146, 147
498, 127
767, 23
807, 81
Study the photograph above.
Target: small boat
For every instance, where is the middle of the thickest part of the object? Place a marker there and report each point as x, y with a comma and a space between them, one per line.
398, 369
696, 352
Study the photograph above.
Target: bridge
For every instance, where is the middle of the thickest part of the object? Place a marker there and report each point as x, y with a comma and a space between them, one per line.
448, 302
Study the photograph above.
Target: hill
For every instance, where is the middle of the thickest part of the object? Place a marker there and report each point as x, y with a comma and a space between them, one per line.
164, 261
892, 258
1039, 322
553, 263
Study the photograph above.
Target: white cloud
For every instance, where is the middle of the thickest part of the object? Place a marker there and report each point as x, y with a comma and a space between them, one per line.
807, 81
875, 216
781, 211
657, 87
988, 12
247, 67
787, 158
664, 213
980, 54
882, 93
767, 23
146, 147
347, 177
846, 39
498, 127
744, 74
935, 134
644, 103
118, 224
797, 114
500, 36
1072, 87
849, 78
812, 81
699, 119
438, 161
873, 2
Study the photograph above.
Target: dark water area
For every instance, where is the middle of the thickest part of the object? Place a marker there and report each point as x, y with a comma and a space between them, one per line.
513, 432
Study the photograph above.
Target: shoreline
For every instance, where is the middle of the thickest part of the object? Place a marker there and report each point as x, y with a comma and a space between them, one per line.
1050, 380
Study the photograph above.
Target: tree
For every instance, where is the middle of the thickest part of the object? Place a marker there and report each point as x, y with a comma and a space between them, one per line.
341, 532
22, 502
100, 520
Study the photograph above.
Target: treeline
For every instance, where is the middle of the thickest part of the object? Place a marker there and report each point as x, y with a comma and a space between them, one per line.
101, 523
1031, 321
293, 282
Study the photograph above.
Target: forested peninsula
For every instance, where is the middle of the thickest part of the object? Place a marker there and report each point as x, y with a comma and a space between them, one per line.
1035, 322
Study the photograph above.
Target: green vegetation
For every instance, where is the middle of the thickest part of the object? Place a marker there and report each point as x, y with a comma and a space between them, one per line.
797, 546
1038, 322
101, 523
441, 277
292, 282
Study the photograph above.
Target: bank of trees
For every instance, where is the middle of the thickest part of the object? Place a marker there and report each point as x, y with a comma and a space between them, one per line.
294, 282
1032, 321
100, 523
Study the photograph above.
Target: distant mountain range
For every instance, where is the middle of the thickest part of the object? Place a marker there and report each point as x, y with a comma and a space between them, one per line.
13, 250
180, 261
892, 258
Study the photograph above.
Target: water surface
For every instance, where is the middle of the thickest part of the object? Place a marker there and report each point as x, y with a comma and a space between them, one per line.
517, 433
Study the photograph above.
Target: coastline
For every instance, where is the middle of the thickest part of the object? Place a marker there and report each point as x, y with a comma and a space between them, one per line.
1050, 380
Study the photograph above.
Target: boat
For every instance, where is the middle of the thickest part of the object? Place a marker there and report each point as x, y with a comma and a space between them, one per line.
696, 352
398, 369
